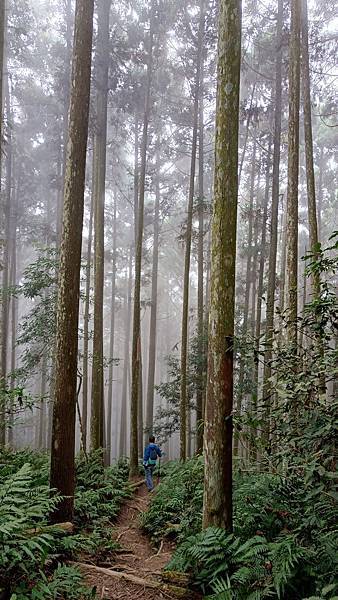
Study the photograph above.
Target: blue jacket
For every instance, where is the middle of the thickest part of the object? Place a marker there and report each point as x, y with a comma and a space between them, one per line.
146, 456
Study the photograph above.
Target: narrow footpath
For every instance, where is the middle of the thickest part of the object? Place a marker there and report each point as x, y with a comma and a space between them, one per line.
137, 573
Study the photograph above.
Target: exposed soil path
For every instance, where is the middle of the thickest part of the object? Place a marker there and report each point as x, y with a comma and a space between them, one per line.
140, 559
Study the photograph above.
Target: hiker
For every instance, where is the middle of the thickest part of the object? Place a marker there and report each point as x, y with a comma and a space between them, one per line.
151, 452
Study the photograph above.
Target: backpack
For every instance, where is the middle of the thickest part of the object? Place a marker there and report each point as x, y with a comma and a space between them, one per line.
152, 456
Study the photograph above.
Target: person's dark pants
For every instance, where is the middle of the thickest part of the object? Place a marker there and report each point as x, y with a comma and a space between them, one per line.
149, 477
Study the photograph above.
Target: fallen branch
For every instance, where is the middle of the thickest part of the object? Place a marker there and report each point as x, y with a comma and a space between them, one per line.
67, 527
136, 484
176, 592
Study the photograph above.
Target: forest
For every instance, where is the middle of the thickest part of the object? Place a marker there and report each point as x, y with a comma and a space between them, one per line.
168, 299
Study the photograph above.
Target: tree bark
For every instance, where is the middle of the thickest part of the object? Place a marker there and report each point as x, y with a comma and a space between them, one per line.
200, 267
270, 301
63, 434
217, 501
310, 175
153, 309
185, 309
320, 190
102, 63
64, 134
5, 272
136, 173
293, 169
261, 280
86, 319
136, 343
248, 281
14, 305
127, 309
42, 414
111, 341
246, 132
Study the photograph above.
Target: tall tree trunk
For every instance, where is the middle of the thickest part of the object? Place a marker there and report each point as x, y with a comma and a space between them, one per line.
248, 281
217, 501
63, 434
14, 306
86, 319
97, 417
136, 344
136, 216
282, 265
2, 46
310, 175
320, 190
293, 169
61, 166
5, 272
111, 341
261, 280
140, 401
3, 366
185, 309
136, 173
153, 310
248, 121
126, 360
200, 274
42, 414
270, 300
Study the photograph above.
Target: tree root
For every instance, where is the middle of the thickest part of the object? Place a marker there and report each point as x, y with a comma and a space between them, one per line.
171, 590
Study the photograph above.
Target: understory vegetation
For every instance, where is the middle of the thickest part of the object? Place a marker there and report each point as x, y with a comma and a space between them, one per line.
32, 552
285, 538
283, 544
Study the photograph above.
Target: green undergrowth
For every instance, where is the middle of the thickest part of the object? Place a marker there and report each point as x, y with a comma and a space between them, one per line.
33, 554
284, 543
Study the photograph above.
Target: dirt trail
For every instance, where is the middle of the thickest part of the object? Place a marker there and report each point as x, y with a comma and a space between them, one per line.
140, 560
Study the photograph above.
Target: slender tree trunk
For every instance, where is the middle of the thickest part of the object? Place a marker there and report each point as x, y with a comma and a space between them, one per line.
247, 131
310, 175
5, 272
153, 310
207, 282
59, 195
270, 301
301, 332
136, 344
111, 341
282, 267
63, 434
86, 319
248, 281
127, 310
136, 216
261, 280
140, 401
14, 306
217, 501
62, 158
293, 171
320, 190
200, 274
185, 309
2, 46
136, 173
42, 414
97, 419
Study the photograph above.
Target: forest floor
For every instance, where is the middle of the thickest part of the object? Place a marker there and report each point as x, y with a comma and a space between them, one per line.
137, 573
